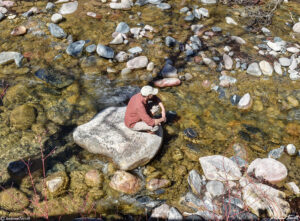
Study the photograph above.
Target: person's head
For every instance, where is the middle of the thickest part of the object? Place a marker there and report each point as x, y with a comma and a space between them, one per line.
148, 92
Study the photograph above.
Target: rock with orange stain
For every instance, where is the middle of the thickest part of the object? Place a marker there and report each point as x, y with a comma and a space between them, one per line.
293, 129
125, 182
167, 82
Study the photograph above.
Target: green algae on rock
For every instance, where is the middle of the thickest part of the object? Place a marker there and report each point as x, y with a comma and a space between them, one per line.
57, 183
13, 200
22, 117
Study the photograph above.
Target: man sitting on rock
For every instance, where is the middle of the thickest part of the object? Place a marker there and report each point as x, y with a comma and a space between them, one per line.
141, 108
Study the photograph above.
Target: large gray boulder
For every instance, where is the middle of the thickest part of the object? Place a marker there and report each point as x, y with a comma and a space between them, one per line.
107, 135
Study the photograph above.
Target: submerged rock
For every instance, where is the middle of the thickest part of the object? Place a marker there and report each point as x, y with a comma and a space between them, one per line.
138, 62
167, 82
57, 31
124, 4
269, 169
107, 134
220, 168
245, 102
57, 183
9, 56
20, 30
155, 184
125, 182
169, 71
215, 188
22, 117
68, 8
105, 51
195, 182
13, 200
93, 178
266, 68
122, 28
260, 197
276, 153
75, 48
254, 70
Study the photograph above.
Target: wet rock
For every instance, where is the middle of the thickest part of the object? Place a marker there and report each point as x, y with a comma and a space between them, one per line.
296, 27
269, 169
209, 1
54, 77
105, 51
150, 66
220, 168
135, 50
141, 2
190, 133
277, 68
291, 149
276, 153
107, 134
56, 18
75, 48
155, 184
293, 187
189, 17
122, 28
22, 117
57, 31
209, 62
215, 188
233, 212
50, 6
245, 102
13, 200
226, 81
169, 71
91, 48
254, 70
124, 4
163, 6
2, 16
138, 62
216, 29
238, 40
195, 182
125, 182
117, 40
68, 8
234, 99
17, 167
230, 21
294, 75
259, 197
160, 212
122, 56
155, 2
167, 82
285, 62
9, 56
170, 42
3, 10
57, 183
20, 30
293, 50
203, 12
93, 178
228, 62
276, 46
266, 68
174, 214
239, 161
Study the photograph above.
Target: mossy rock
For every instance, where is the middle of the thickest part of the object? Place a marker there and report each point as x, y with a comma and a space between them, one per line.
57, 183
13, 200
17, 94
22, 117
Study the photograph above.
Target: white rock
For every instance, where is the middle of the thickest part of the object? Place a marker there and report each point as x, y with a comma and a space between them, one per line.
293, 50
3, 10
265, 31
150, 66
293, 187
254, 70
238, 40
9, 56
277, 68
259, 197
106, 134
245, 102
294, 75
227, 48
291, 149
230, 21
273, 53
174, 214
215, 188
122, 56
266, 68
220, 168
285, 62
296, 27
124, 4
294, 64
160, 212
274, 46
117, 40
148, 28
68, 8
54, 184
227, 61
125, 71
204, 12
138, 62
135, 31
269, 169
56, 18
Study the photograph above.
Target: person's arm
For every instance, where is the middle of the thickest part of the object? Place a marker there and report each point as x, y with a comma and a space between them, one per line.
146, 118
163, 111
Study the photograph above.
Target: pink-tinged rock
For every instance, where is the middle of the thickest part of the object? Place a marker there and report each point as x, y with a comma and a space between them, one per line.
155, 184
138, 62
227, 61
20, 30
93, 178
206, 84
220, 168
160, 212
125, 182
269, 169
7, 4
167, 82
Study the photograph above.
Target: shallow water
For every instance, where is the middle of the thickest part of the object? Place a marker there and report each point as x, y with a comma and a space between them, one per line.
218, 123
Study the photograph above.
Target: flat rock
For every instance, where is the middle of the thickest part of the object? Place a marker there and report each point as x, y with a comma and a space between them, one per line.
10, 56
167, 82
296, 27
285, 62
277, 68
138, 62
105, 51
220, 168
68, 8
195, 182
122, 28
293, 50
54, 77
227, 61
57, 31
266, 68
254, 70
215, 188
75, 48
259, 197
107, 134
275, 46
269, 169
125, 182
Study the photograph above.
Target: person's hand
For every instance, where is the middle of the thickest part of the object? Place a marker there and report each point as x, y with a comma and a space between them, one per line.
164, 119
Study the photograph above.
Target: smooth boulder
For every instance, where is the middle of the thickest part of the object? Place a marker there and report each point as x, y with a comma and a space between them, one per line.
167, 82
107, 135
125, 182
